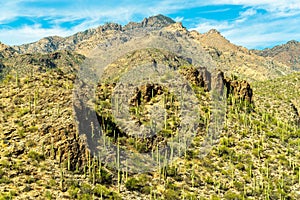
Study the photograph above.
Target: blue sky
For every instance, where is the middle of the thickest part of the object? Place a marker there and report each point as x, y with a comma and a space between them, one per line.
253, 24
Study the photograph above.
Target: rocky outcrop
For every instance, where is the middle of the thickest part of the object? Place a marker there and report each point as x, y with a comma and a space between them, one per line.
1, 70
145, 93
200, 77
1, 67
296, 110
238, 89
158, 21
6, 51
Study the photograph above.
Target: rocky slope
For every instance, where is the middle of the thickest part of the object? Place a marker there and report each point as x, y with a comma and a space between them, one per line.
6, 51
238, 60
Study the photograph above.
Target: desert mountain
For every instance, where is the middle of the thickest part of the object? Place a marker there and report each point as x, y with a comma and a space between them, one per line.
287, 53
230, 58
87, 40
255, 153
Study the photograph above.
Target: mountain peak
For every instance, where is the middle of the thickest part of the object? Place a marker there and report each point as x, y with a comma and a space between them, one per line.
157, 21
292, 42
3, 46
6, 51
213, 31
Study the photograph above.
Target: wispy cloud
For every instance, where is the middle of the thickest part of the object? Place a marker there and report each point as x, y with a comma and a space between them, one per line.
262, 24
27, 34
262, 33
178, 19
206, 25
248, 13
215, 11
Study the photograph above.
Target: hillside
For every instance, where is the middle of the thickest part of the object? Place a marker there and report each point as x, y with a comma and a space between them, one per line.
238, 60
50, 143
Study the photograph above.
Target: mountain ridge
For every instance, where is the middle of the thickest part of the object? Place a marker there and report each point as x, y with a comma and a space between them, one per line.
54, 43
230, 58
287, 53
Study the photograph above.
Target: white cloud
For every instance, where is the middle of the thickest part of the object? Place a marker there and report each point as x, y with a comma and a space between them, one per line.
207, 25
215, 11
254, 30
27, 34
270, 5
248, 13
264, 32
7, 11
178, 19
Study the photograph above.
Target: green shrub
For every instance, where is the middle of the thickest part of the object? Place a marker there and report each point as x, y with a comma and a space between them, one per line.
215, 197
101, 190
5, 180
171, 171
5, 196
84, 197
23, 111
73, 191
105, 177
232, 196
104, 192
48, 195
2, 173
86, 188
35, 156
170, 194
133, 184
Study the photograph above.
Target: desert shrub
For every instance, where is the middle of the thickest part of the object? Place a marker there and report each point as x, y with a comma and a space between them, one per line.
73, 191
86, 188
48, 195
232, 196
170, 194
105, 177
133, 184
140, 184
35, 156
104, 192
5, 180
